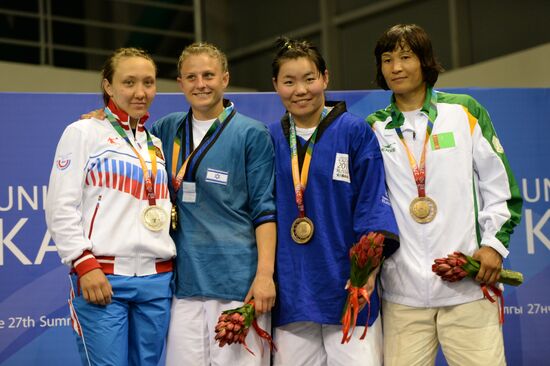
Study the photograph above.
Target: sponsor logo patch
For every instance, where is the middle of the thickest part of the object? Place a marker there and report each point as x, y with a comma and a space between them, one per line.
385, 199
217, 176
388, 147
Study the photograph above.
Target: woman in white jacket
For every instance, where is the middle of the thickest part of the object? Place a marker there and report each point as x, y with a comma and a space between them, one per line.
108, 213
451, 189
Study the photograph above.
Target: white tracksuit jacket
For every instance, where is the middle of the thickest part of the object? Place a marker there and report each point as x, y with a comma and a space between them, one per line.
478, 200
96, 197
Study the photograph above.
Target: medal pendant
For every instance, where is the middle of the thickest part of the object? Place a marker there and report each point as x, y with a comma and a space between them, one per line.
423, 209
174, 217
301, 230
154, 218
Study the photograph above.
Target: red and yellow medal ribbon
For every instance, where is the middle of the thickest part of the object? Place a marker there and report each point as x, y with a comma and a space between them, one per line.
149, 177
418, 170
300, 178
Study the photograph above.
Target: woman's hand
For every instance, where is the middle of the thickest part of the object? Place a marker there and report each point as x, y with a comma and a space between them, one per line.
96, 288
490, 265
263, 291
369, 286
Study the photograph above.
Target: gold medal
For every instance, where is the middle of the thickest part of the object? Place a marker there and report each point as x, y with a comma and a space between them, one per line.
174, 217
423, 209
302, 230
154, 218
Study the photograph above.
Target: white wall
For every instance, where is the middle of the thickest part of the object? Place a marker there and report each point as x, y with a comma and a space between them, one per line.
525, 69
15, 77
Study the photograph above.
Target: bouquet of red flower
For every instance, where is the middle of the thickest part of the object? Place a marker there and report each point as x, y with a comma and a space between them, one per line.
458, 265
233, 326
365, 257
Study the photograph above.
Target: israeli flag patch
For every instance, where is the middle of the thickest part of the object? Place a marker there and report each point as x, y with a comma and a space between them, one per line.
217, 176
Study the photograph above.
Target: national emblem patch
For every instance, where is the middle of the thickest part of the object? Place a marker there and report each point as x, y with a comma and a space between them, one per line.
63, 162
496, 144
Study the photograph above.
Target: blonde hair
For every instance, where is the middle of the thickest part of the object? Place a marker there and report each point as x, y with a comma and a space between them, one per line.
111, 63
199, 48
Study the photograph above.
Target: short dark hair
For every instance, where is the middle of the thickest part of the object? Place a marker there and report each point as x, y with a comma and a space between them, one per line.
291, 49
413, 36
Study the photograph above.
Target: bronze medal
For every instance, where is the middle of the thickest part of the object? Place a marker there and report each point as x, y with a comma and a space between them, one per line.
174, 217
423, 209
154, 218
301, 230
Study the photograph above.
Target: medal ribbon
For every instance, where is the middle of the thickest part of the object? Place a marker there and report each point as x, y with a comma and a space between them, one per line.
300, 180
190, 153
148, 177
419, 170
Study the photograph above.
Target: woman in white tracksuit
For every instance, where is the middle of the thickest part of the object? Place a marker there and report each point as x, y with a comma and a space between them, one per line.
451, 189
108, 213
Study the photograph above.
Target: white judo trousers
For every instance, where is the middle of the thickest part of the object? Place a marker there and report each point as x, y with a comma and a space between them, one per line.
312, 344
191, 336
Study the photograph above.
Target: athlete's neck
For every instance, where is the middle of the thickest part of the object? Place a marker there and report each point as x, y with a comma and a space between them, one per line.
309, 121
208, 114
133, 123
411, 101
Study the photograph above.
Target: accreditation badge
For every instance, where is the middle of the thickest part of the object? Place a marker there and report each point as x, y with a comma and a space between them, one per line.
341, 168
189, 192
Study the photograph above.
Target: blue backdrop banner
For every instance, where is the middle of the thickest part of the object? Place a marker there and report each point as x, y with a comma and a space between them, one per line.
34, 319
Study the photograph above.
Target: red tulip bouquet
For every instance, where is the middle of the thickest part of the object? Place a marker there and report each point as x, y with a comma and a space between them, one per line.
458, 265
234, 324
365, 257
